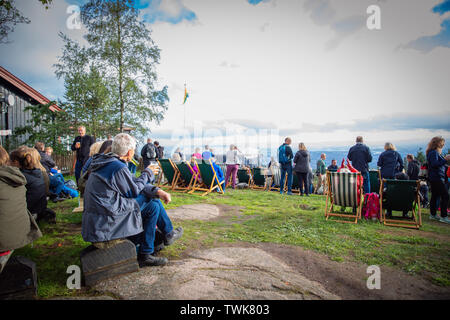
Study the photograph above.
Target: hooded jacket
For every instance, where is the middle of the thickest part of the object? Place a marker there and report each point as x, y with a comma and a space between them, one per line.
17, 226
302, 160
110, 209
413, 170
390, 163
436, 166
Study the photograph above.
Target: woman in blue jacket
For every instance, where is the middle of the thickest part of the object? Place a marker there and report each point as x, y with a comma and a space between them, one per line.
390, 162
437, 177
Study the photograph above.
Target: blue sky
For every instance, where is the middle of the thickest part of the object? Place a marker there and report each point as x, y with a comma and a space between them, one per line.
308, 68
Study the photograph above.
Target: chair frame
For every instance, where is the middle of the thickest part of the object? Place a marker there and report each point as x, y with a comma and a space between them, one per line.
204, 187
329, 206
187, 184
254, 186
416, 223
175, 179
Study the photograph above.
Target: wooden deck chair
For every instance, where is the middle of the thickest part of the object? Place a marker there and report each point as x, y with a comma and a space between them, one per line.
259, 181
275, 180
186, 176
399, 195
170, 171
343, 191
245, 176
209, 178
295, 183
375, 181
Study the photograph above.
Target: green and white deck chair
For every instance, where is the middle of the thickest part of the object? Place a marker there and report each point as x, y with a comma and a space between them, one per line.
274, 183
245, 176
259, 180
170, 171
343, 192
399, 195
186, 176
375, 181
209, 178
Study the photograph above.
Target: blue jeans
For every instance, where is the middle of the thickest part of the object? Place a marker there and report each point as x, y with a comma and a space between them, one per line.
286, 168
78, 168
153, 215
366, 182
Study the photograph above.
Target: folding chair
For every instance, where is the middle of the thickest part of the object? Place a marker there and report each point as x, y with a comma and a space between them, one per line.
186, 176
401, 195
343, 191
259, 181
170, 171
245, 176
295, 183
375, 181
209, 178
275, 180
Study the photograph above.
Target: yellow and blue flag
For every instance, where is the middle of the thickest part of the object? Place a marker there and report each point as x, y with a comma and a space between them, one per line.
186, 95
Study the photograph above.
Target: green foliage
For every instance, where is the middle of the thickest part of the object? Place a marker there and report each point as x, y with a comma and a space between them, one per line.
420, 156
45, 126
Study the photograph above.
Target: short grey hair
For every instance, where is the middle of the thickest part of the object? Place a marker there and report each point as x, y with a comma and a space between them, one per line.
123, 143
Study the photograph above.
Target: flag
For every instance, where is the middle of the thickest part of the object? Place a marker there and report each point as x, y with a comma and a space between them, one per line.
186, 95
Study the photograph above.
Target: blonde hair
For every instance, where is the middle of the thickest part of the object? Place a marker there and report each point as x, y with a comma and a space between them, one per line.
4, 157
95, 148
302, 146
48, 149
436, 143
389, 146
28, 158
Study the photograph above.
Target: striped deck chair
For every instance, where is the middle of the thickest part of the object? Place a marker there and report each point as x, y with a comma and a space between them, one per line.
170, 171
275, 179
401, 195
259, 180
343, 192
186, 176
375, 181
210, 179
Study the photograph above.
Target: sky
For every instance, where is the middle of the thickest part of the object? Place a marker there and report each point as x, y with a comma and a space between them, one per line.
260, 70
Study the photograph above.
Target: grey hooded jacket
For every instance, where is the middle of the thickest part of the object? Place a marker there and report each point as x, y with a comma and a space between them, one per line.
110, 209
302, 160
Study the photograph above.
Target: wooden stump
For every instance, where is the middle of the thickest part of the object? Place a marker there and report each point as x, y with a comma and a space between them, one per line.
18, 280
100, 264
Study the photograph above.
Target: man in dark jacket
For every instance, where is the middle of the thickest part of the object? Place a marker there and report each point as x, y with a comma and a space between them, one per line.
118, 205
148, 153
46, 160
333, 166
360, 156
285, 156
413, 167
81, 145
159, 150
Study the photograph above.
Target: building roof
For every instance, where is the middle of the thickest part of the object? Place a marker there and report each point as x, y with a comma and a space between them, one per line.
25, 88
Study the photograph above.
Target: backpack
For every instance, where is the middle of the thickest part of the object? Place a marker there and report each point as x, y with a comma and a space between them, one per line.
371, 209
282, 158
150, 154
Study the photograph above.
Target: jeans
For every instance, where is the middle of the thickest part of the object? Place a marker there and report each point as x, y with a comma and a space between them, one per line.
366, 182
303, 181
153, 215
438, 191
232, 170
286, 168
78, 168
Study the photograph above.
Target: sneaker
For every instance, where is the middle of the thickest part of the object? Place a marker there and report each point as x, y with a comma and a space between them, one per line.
445, 220
174, 235
435, 217
149, 260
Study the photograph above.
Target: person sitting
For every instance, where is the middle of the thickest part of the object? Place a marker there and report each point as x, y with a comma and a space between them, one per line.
197, 154
390, 162
17, 227
93, 150
413, 167
28, 161
333, 166
207, 154
118, 205
176, 157
46, 160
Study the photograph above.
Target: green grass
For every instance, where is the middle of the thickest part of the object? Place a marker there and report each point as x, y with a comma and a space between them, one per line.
263, 217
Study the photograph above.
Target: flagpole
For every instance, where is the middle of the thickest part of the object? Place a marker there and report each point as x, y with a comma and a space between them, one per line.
185, 109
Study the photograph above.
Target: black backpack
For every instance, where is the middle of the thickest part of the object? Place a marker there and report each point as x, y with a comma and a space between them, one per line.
151, 154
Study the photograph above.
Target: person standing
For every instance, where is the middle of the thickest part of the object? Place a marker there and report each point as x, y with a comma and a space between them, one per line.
321, 173
360, 156
301, 161
81, 145
437, 177
159, 150
232, 163
148, 153
413, 167
285, 156
207, 154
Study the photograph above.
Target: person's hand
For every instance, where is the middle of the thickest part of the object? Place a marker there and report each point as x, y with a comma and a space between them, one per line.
154, 168
164, 196
77, 145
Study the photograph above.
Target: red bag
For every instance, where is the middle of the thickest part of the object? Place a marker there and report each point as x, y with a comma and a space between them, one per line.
371, 208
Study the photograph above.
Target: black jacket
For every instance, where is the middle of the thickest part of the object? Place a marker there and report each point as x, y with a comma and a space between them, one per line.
47, 161
360, 156
36, 190
390, 163
302, 160
413, 170
83, 151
